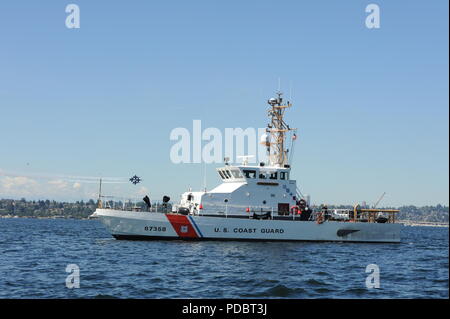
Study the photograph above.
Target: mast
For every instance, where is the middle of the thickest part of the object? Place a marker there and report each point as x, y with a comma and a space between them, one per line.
100, 204
277, 130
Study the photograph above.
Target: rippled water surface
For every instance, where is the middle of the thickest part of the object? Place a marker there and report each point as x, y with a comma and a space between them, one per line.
35, 253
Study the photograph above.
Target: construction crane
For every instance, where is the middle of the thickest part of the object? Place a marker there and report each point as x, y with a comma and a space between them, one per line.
379, 200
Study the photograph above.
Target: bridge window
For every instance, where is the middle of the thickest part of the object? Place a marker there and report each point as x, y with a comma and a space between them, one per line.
283, 175
273, 175
224, 174
236, 173
249, 174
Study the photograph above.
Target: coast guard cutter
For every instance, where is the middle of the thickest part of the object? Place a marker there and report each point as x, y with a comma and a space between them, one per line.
253, 202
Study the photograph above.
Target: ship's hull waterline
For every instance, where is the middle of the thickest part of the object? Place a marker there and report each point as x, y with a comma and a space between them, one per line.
148, 226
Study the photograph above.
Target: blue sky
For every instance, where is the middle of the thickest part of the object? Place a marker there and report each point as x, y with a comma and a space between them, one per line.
371, 105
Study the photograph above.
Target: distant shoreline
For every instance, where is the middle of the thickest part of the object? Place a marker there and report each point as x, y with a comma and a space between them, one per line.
421, 223
44, 217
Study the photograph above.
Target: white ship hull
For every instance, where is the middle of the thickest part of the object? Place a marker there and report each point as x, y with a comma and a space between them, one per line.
145, 225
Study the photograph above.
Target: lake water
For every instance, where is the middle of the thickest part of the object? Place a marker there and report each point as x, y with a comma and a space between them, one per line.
35, 253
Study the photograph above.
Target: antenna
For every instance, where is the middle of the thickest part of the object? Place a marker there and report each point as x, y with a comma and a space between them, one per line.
279, 84
204, 176
100, 205
290, 91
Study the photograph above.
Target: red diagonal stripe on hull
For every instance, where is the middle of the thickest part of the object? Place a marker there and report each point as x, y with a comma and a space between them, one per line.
182, 226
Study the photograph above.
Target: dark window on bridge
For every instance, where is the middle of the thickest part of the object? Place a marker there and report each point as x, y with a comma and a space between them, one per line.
273, 175
249, 174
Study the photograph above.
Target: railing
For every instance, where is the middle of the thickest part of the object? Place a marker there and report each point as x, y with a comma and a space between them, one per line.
356, 215
317, 214
245, 212
134, 205
260, 212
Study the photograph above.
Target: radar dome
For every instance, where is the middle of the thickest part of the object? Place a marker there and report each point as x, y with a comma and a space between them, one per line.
272, 101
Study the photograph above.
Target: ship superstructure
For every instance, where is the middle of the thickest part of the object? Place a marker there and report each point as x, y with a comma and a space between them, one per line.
253, 189
254, 202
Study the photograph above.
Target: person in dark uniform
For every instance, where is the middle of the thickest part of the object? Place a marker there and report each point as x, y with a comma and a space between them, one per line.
325, 211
